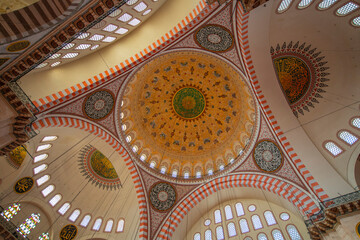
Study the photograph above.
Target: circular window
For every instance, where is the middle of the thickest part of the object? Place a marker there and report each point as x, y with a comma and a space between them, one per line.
284, 216
252, 208
207, 222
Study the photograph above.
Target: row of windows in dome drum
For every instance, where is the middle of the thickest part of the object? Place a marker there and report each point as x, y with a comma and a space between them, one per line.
276, 233
344, 10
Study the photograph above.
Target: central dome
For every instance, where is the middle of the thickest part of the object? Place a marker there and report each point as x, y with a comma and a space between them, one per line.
188, 112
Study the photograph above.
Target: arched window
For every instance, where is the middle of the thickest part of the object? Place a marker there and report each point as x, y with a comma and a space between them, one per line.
64, 208
40, 168
11, 211
197, 236
120, 226
174, 173
135, 148
46, 191
49, 138
293, 232
109, 225
44, 236
85, 221
356, 22
333, 148
75, 214
25, 228
248, 238
42, 180
231, 229
198, 175
269, 217
347, 8
208, 235
40, 157
55, 199
228, 212
210, 172
277, 235
43, 147
326, 4
304, 3
355, 122
186, 174
217, 215
284, 5
219, 233
256, 222
142, 157
347, 137
163, 170
128, 138
239, 209
152, 164
262, 236
97, 224
244, 227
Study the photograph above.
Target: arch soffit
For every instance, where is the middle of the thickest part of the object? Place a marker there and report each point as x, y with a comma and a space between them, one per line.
65, 121
301, 199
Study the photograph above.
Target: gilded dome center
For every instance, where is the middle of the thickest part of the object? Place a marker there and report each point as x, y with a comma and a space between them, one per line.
188, 102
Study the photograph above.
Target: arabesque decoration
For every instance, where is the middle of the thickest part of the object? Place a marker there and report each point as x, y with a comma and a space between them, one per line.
24, 185
16, 157
302, 74
68, 232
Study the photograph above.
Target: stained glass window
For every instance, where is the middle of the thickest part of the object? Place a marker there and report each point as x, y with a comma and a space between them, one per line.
30, 223
11, 211
44, 236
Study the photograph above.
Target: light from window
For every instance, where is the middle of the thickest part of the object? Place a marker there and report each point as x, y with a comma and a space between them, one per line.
262, 236
131, 2
174, 173
277, 235
54, 56
348, 137
96, 37
284, 216
221, 167
97, 224
83, 36
228, 212
46, 191
356, 23
284, 5
304, 3
231, 229
49, 138
40, 157
43, 147
197, 236
186, 175
85, 221
55, 64
55, 199
256, 222
40, 168
219, 233
125, 17
356, 121
152, 164
269, 217
326, 4
244, 227
115, 13
333, 148
135, 149
248, 238
252, 208
95, 47
239, 209
293, 232
70, 55
75, 214
68, 45
140, 7
120, 226
83, 46
198, 174
347, 8
123, 127
207, 222
142, 157
217, 215
110, 28
210, 172
109, 225
109, 39
122, 30
64, 208
134, 22
208, 235
42, 180
163, 170
146, 12
41, 65
128, 138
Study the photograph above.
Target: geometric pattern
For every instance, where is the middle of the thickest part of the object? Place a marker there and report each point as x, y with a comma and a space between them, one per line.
162, 196
267, 156
301, 73
214, 38
98, 105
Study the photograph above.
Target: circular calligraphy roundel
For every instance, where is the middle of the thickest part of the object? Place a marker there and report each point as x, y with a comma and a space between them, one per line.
68, 232
24, 185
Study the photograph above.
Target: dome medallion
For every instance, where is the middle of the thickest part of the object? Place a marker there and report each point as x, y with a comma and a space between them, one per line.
185, 114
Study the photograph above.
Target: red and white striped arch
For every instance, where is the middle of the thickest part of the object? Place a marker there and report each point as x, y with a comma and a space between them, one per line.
103, 134
242, 32
298, 197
